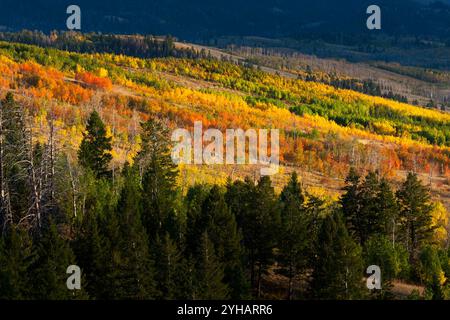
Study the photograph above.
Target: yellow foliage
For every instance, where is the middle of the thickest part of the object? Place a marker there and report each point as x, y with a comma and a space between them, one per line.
384, 128
440, 220
102, 73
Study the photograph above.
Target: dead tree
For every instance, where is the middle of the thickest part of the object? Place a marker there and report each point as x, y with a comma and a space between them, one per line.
5, 208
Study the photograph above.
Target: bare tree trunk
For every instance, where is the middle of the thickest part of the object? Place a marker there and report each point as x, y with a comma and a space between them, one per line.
73, 185
36, 192
52, 160
5, 209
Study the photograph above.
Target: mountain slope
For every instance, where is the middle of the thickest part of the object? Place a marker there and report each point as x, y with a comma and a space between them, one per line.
323, 130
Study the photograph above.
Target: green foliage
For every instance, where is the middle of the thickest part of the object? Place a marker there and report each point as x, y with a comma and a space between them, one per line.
415, 214
146, 47
294, 235
210, 274
195, 197
430, 265
90, 249
17, 255
415, 295
257, 213
220, 223
172, 278
54, 255
158, 174
369, 206
131, 250
94, 153
435, 290
338, 267
391, 258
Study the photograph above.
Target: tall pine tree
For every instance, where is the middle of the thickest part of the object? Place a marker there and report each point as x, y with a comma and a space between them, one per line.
136, 274
16, 258
220, 223
368, 206
95, 149
257, 214
173, 277
49, 270
294, 236
388, 210
209, 283
158, 174
350, 204
338, 268
415, 214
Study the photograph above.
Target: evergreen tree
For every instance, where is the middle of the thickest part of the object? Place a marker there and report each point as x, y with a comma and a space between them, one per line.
158, 174
257, 215
90, 248
109, 226
95, 149
96, 231
219, 222
195, 198
392, 260
113, 247
260, 226
210, 274
368, 206
350, 204
135, 267
388, 210
171, 276
415, 214
435, 290
49, 271
316, 209
16, 257
294, 237
429, 265
239, 199
370, 217
338, 267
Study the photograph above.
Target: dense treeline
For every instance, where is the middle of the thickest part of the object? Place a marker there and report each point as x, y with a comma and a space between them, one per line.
366, 86
429, 75
136, 46
136, 236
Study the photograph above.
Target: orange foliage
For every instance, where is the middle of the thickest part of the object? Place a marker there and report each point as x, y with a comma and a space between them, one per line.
49, 83
94, 81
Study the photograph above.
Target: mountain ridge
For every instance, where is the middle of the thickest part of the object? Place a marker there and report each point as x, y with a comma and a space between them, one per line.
201, 19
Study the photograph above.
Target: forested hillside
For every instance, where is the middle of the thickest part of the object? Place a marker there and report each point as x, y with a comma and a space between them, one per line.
86, 178
200, 19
